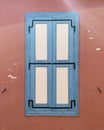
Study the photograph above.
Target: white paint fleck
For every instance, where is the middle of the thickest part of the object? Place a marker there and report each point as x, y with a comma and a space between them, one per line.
15, 63
98, 49
12, 77
91, 38
10, 69
89, 31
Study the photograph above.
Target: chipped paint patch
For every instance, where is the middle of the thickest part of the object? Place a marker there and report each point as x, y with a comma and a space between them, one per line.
3, 90
100, 91
98, 49
15, 63
91, 38
88, 31
10, 69
12, 77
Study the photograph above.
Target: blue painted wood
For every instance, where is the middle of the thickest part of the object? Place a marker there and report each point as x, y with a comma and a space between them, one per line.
27, 72
76, 55
49, 112
51, 19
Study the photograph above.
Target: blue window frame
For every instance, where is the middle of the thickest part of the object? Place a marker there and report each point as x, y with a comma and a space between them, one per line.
51, 108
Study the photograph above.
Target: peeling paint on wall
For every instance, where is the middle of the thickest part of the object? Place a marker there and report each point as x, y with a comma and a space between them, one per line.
4, 90
16, 63
98, 49
99, 90
12, 77
89, 31
91, 38
10, 69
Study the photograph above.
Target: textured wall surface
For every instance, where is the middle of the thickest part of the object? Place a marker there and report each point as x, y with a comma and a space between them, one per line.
91, 70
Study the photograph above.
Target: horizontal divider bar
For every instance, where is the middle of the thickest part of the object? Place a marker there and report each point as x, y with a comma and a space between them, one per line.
73, 63
52, 20
73, 103
73, 26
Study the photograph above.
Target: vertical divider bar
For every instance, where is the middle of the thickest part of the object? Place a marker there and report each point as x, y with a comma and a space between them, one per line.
32, 88
52, 104
76, 48
32, 70
32, 42
50, 38
54, 85
53, 54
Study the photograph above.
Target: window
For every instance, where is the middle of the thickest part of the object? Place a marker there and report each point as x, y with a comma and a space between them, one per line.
51, 64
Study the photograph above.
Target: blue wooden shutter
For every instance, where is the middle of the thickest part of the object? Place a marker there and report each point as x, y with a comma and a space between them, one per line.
52, 63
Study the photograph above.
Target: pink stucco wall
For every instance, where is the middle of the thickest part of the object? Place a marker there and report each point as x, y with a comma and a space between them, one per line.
91, 70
